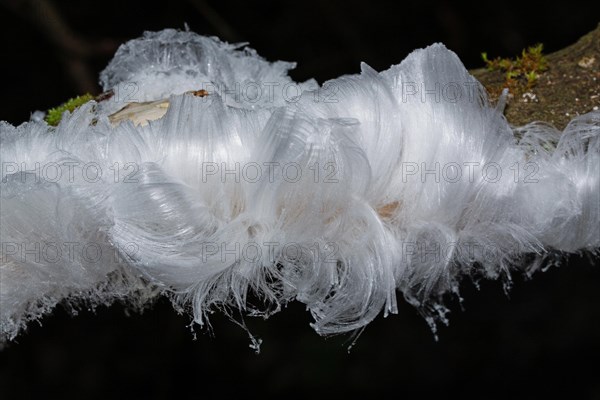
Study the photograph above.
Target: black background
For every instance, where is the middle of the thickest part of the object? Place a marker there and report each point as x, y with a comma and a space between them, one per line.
542, 340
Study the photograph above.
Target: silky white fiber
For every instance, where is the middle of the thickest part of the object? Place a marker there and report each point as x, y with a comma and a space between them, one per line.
263, 191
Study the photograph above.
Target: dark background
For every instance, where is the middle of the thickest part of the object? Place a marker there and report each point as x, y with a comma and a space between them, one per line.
540, 341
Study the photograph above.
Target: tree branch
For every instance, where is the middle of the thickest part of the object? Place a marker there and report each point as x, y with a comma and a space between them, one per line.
569, 87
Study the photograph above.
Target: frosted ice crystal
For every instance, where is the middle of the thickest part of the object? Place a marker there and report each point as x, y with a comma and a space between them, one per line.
338, 196
160, 64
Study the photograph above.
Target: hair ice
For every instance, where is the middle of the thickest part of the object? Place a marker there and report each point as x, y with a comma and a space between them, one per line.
340, 196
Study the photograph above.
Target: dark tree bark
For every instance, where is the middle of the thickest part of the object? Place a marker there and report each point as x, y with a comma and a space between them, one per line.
569, 87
